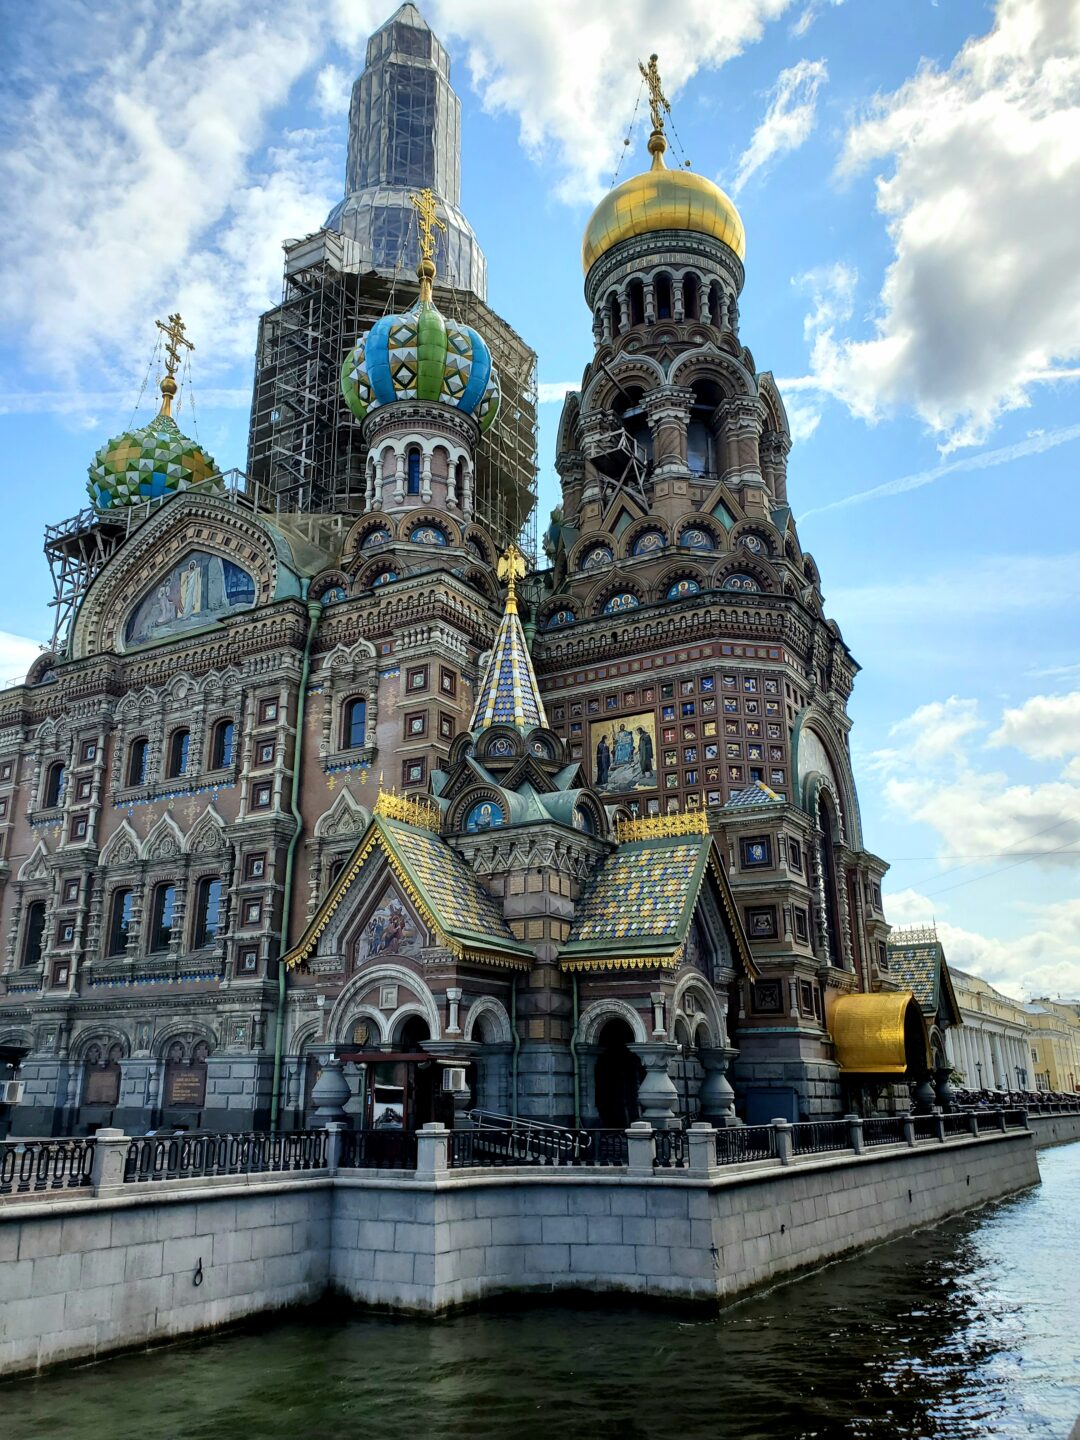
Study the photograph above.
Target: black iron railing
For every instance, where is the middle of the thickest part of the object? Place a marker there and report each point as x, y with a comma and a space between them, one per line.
179, 1157
672, 1150
925, 1127
883, 1130
605, 1147
735, 1146
495, 1146
31, 1166
956, 1125
813, 1137
378, 1150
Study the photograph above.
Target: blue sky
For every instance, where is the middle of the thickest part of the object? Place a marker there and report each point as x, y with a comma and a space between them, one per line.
909, 176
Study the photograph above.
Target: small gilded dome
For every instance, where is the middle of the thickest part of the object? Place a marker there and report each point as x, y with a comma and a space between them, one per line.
148, 463
661, 199
421, 356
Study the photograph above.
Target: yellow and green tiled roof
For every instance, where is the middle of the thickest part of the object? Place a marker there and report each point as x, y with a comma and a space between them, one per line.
921, 968
509, 694
443, 888
640, 902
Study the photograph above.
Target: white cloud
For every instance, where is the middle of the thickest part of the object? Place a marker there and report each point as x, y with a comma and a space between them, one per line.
934, 731
809, 14
1036, 444
970, 591
1045, 961
1046, 727
789, 119
333, 90
17, 654
803, 419
551, 392
980, 190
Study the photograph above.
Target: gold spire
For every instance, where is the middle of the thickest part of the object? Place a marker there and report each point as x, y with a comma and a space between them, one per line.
427, 220
511, 568
174, 338
658, 108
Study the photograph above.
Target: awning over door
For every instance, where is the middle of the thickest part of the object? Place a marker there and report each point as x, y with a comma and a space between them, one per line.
883, 1034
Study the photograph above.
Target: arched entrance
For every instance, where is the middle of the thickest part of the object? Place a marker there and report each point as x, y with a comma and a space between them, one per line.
617, 1076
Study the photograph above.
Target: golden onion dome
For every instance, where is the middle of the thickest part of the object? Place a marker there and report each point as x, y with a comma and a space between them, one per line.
661, 199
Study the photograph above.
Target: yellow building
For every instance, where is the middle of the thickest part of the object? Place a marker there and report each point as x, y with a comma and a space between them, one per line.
992, 1048
1054, 1028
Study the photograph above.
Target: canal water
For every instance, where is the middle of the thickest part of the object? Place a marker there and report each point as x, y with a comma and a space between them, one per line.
967, 1330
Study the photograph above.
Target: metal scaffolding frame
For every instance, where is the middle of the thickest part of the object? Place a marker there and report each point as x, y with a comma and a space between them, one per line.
305, 446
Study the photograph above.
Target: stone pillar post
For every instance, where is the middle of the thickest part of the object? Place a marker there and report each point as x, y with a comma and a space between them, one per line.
649, 292
668, 409
399, 479
855, 1132
110, 1153
640, 1148
908, 1125
657, 1095
784, 1150
742, 423
774, 449
334, 1131
701, 1139
425, 477
431, 1151
716, 1097
453, 999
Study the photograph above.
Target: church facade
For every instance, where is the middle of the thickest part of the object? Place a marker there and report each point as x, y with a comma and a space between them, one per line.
327, 768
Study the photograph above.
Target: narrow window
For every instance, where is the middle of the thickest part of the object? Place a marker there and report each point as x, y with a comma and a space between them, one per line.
355, 724
413, 487
207, 912
636, 294
662, 287
614, 312
123, 904
691, 296
54, 785
224, 734
179, 746
161, 918
714, 305
34, 933
138, 761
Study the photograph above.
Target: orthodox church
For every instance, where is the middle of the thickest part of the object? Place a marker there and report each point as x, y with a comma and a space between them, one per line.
322, 764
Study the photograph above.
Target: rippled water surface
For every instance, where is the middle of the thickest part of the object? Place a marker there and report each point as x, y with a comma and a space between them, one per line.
968, 1330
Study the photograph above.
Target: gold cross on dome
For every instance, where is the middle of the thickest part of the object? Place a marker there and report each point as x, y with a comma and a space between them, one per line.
427, 219
174, 338
658, 101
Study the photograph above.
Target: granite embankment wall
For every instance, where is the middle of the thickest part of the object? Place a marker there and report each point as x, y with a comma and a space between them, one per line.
1054, 1129
81, 1277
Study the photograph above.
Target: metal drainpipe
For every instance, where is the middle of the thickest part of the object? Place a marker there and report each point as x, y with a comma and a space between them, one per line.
314, 609
574, 1054
517, 1048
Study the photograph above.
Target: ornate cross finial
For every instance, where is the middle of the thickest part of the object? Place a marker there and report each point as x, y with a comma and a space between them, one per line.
658, 101
174, 338
428, 222
511, 568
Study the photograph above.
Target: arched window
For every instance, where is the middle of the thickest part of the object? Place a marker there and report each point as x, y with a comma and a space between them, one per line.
334, 869
698, 448
54, 785
354, 726
412, 486
635, 292
207, 912
221, 755
715, 309
34, 933
161, 918
179, 748
614, 313
120, 916
459, 478
662, 291
138, 761
691, 292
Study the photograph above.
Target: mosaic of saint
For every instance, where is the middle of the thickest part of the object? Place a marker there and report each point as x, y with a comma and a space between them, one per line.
197, 591
624, 753
390, 930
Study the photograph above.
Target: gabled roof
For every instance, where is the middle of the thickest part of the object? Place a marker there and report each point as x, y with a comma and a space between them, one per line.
446, 893
509, 694
921, 966
754, 795
637, 909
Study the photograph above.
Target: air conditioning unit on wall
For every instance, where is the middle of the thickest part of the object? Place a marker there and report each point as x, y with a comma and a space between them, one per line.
453, 1080
11, 1091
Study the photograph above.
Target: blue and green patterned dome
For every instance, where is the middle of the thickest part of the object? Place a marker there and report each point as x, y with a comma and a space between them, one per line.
421, 356
148, 463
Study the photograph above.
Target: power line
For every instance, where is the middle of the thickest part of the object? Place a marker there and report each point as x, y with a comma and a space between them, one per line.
1010, 851
991, 873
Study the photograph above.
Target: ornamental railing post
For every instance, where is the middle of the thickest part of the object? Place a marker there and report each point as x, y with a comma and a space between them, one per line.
431, 1151
110, 1157
334, 1132
973, 1122
640, 1148
855, 1132
907, 1124
701, 1143
784, 1147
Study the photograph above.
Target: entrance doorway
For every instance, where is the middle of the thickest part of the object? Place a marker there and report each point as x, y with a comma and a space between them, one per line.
618, 1074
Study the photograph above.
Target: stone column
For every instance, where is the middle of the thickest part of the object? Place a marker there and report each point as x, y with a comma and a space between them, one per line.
774, 449
742, 419
399, 479
701, 1140
657, 1095
716, 1097
640, 1148
110, 1153
668, 409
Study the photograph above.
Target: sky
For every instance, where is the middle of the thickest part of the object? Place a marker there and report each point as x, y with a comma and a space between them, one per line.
908, 172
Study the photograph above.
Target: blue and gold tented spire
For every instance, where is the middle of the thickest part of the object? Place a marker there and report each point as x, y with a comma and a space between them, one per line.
509, 694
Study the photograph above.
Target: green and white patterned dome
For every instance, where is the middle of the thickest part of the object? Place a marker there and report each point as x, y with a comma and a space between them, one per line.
147, 464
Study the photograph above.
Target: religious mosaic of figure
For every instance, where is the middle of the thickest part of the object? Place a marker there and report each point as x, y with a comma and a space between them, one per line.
624, 753
196, 592
484, 816
390, 930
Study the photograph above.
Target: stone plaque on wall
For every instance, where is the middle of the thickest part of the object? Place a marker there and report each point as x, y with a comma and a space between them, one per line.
102, 1085
185, 1086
